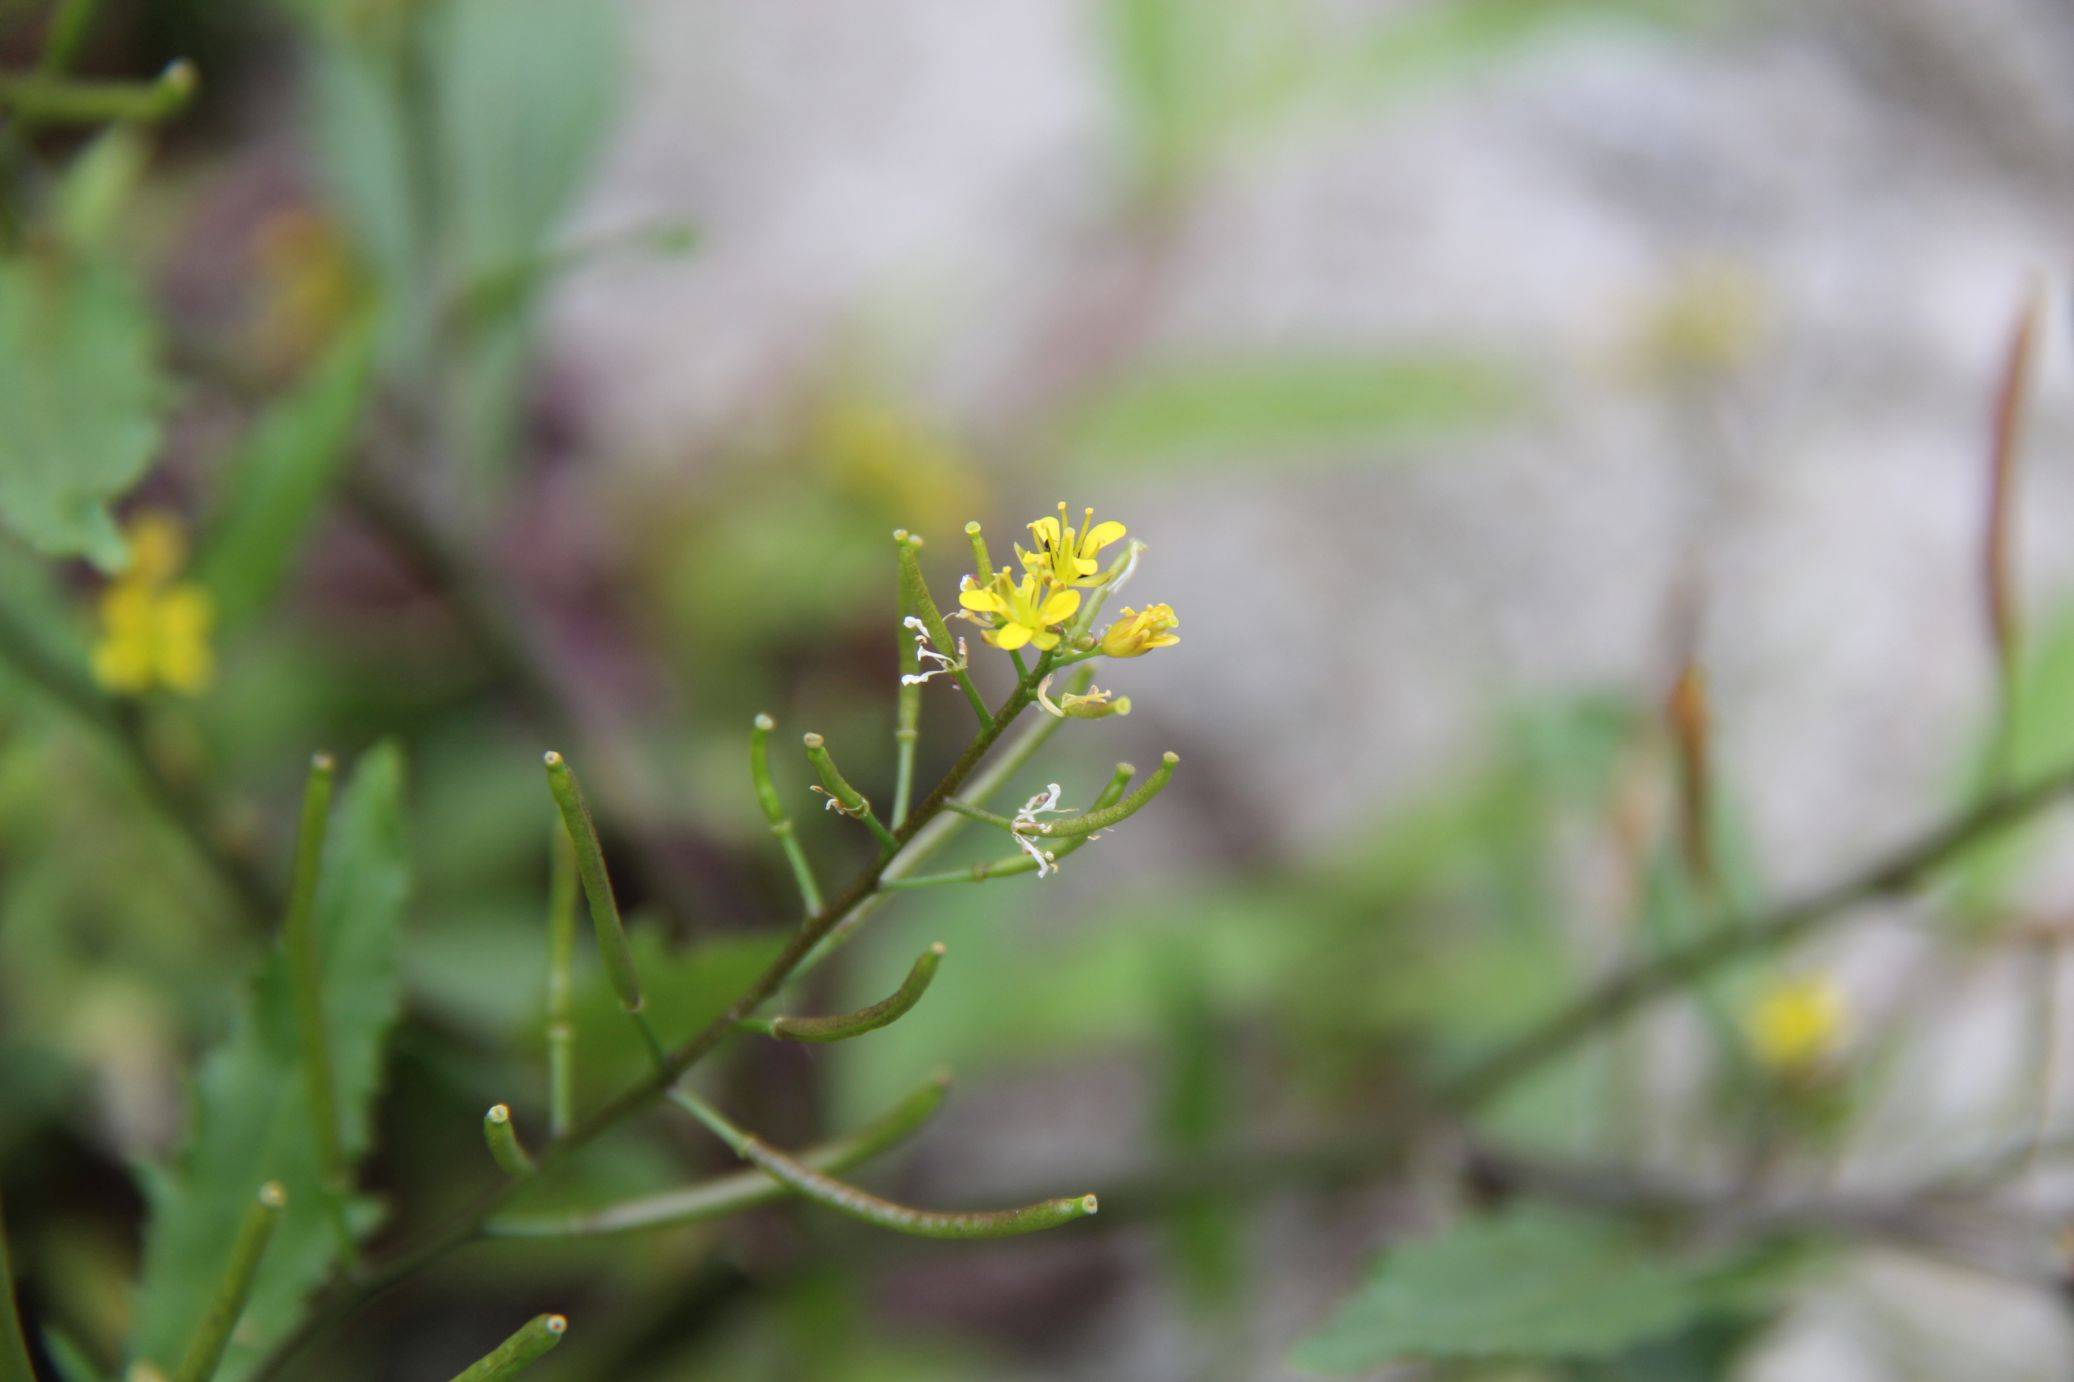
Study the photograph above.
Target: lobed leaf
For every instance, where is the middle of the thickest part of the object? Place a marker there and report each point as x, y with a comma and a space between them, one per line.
250, 1118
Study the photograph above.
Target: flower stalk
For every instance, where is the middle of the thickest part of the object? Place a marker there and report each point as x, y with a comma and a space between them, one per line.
722, 1196
914, 595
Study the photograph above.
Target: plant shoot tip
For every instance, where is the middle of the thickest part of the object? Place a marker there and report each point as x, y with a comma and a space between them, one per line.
551, 759
764, 723
937, 949
1090, 1204
556, 1324
273, 1195
1170, 758
812, 740
499, 1113
972, 528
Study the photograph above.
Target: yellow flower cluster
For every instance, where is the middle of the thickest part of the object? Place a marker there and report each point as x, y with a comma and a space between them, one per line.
154, 626
1796, 1025
1031, 607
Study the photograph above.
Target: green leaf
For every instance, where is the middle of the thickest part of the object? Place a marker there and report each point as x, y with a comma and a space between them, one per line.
1531, 1282
1238, 408
79, 403
250, 1121
280, 477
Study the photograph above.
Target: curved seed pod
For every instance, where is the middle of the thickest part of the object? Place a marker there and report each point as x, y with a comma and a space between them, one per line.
597, 884
1102, 819
774, 811
205, 1350
843, 1026
505, 1148
914, 594
532, 1342
847, 799
739, 1190
872, 1209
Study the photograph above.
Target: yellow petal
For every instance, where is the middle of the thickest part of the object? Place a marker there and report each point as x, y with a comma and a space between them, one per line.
1045, 640
983, 601
1059, 607
123, 665
1010, 638
1102, 535
1046, 531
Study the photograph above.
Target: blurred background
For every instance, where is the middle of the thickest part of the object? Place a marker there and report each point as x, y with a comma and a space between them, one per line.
549, 373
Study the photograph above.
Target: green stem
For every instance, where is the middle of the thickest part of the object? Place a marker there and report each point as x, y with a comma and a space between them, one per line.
938, 830
907, 719
848, 799
1012, 864
882, 1213
299, 938
740, 1190
842, 1027
67, 31
47, 99
503, 1140
980, 814
561, 958
914, 593
347, 1294
14, 1345
212, 1335
597, 884
534, 1340
774, 811
982, 562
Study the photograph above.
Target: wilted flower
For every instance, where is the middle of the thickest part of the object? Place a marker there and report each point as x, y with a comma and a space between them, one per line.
1092, 704
1137, 632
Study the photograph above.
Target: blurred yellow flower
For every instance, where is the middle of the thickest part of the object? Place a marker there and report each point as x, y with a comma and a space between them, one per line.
1025, 611
1796, 1024
1067, 555
154, 628
1137, 632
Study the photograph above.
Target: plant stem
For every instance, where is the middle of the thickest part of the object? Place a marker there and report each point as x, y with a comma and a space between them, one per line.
980, 814
346, 1295
845, 1198
44, 98
732, 1193
1625, 990
306, 974
178, 805
14, 1345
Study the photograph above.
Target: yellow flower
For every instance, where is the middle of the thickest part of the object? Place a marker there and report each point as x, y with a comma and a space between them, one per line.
1024, 611
1796, 1025
1067, 555
1137, 632
1093, 704
154, 630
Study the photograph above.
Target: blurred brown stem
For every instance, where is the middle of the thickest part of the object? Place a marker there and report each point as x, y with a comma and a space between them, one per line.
1627, 989
181, 805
